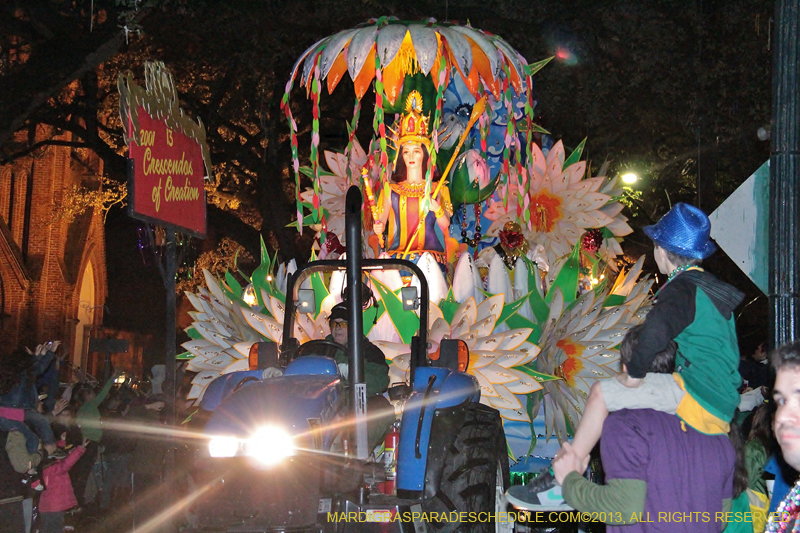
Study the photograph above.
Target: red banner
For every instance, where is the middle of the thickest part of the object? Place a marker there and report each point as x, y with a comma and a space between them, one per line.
167, 183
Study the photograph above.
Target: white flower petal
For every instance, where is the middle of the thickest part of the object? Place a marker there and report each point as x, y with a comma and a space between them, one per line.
487, 389
515, 415
525, 384
358, 50
506, 400
496, 374
426, 46
490, 342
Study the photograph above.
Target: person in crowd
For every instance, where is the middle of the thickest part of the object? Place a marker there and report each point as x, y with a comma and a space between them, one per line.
17, 475
58, 495
740, 503
149, 449
786, 393
754, 368
653, 463
88, 416
88, 419
780, 476
759, 447
694, 309
118, 442
19, 398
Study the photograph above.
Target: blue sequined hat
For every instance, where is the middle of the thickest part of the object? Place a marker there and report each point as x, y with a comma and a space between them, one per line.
685, 230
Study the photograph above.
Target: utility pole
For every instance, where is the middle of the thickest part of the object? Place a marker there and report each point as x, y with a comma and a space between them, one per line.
784, 187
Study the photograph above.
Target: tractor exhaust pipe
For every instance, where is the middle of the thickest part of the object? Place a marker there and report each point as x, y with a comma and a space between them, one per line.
355, 320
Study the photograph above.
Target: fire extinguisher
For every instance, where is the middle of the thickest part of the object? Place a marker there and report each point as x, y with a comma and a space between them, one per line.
390, 459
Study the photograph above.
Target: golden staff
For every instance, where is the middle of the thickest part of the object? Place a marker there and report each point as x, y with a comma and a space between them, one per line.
477, 111
373, 207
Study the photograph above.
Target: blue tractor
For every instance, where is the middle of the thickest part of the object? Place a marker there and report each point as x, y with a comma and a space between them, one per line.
290, 453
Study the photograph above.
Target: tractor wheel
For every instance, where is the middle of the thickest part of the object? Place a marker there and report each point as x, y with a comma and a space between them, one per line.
475, 476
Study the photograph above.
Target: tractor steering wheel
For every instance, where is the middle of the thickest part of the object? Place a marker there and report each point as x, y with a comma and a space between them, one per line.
328, 348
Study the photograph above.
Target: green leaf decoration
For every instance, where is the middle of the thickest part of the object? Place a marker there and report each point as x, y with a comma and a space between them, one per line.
231, 295
189, 418
538, 376
193, 333
570, 427
511, 309
533, 68
539, 307
405, 322
185, 356
371, 317
320, 290
234, 285
600, 287
614, 300
517, 321
567, 278
538, 129
260, 274
307, 220
514, 320
575, 156
448, 306
306, 171
236, 261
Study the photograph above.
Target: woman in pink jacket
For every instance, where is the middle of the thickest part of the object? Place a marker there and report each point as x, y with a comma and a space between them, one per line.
58, 495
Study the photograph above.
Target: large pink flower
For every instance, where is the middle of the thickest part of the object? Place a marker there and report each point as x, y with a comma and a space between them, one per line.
333, 188
555, 205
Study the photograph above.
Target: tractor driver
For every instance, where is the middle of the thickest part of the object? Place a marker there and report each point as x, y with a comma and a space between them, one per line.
376, 375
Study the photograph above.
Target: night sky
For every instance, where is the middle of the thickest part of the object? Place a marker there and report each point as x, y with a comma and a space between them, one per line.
657, 84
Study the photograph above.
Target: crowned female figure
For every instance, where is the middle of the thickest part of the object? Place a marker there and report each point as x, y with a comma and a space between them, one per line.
412, 228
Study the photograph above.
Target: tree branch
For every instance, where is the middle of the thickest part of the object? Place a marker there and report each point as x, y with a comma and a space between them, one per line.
19, 111
32, 148
228, 224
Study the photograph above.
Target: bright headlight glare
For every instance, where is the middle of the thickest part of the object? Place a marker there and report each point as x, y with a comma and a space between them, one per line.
223, 446
270, 445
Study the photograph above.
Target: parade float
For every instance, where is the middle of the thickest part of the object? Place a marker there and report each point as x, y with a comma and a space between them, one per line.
519, 242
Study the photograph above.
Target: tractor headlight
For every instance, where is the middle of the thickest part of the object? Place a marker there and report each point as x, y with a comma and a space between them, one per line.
270, 444
223, 446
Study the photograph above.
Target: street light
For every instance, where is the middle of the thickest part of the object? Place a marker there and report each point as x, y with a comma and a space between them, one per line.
630, 178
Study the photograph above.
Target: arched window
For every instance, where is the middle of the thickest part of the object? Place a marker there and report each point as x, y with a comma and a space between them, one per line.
85, 316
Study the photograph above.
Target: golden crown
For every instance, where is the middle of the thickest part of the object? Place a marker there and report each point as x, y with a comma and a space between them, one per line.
413, 125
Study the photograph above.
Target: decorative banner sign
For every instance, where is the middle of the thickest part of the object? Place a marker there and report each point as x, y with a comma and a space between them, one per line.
168, 154
741, 224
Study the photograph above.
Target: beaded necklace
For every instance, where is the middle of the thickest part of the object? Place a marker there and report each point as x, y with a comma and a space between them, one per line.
788, 512
680, 269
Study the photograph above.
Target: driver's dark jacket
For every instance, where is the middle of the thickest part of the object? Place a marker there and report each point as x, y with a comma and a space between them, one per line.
376, 369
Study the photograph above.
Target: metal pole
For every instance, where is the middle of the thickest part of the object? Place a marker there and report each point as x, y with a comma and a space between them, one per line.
784, 223
169, 364
355, 319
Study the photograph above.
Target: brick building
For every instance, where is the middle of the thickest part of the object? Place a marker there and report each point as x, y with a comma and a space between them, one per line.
52, 274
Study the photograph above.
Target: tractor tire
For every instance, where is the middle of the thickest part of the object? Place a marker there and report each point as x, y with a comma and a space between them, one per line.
475, 477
